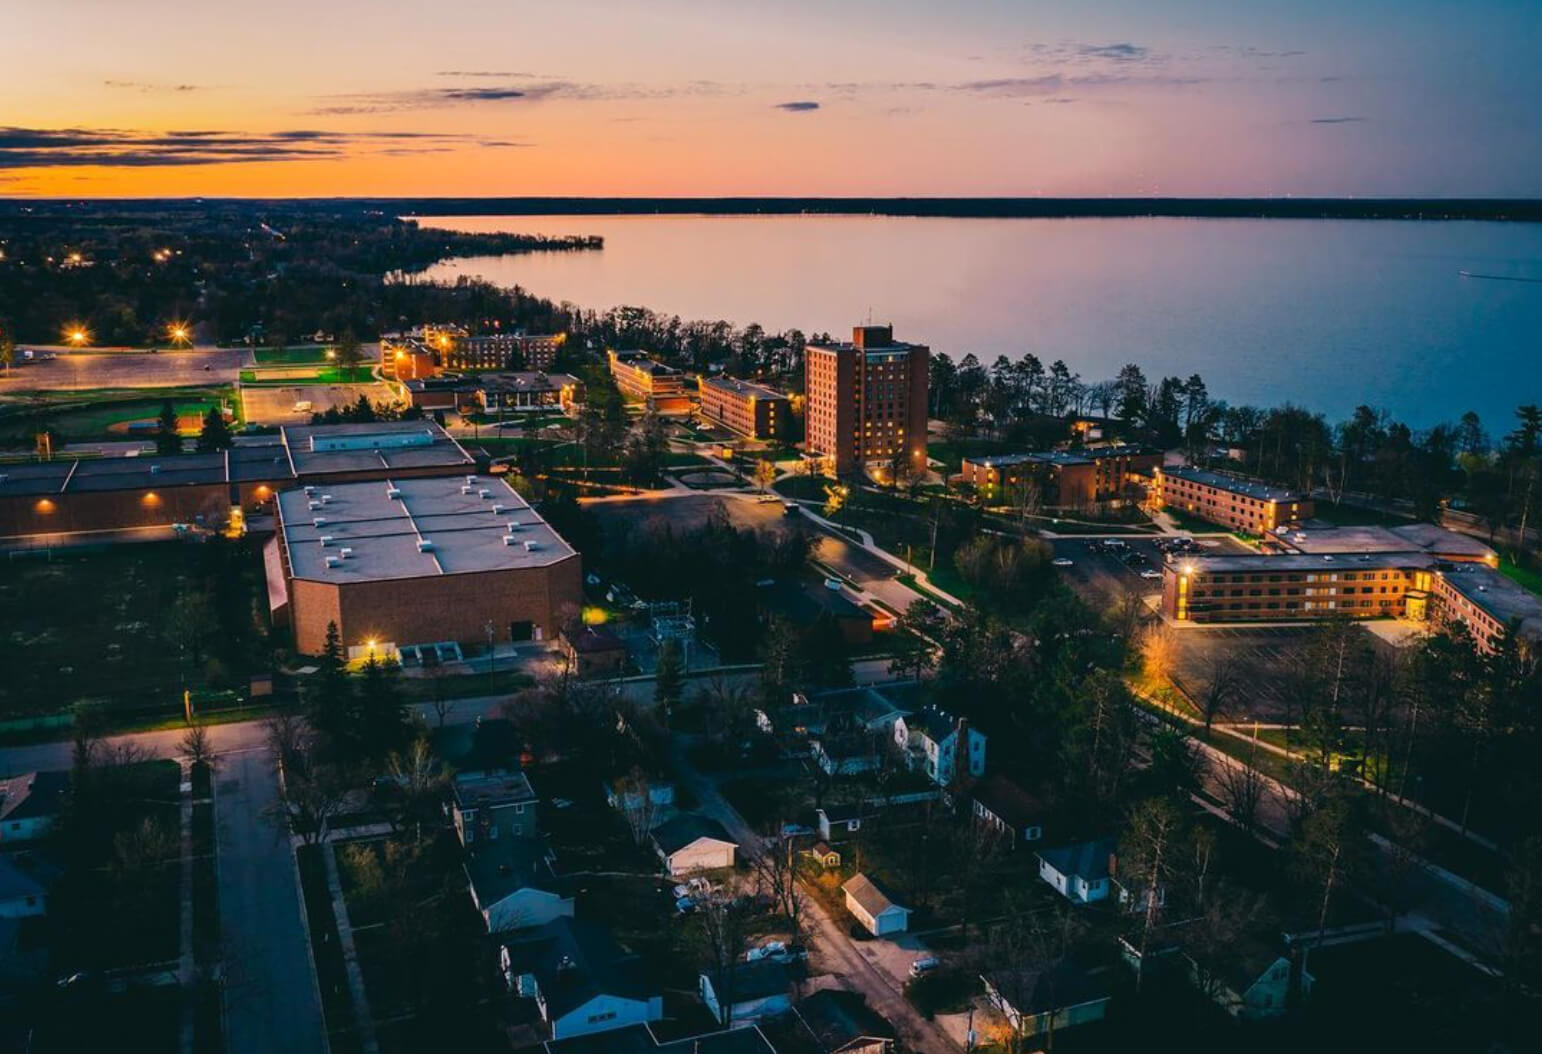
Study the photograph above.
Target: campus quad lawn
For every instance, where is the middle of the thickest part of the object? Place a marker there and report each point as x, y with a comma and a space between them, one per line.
94, 626
301, 355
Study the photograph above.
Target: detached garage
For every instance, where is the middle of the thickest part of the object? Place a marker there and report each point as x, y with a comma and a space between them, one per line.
693, 843
872, 906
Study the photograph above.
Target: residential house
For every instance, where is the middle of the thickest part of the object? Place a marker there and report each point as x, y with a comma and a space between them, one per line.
848, 753
1034, 1001
841, 1022
625, 795
513, 884
824, 856
640, 1039
21, 894
592, 651
872, 906
946, 748
748, 991
1082, 872
1251, 978
580, 978
841, 821
29, 804
1000, 802
690, 842
493, 803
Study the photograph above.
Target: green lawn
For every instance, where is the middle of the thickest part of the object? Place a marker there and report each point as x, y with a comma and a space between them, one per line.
94, 416
1525, 577
299, 355
952, 454
323, 375
1184, 522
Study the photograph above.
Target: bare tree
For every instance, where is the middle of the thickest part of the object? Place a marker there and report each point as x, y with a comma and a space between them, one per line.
417, 782
1031, 948
1242, 790
1221, 689
1158, 652
634, 799
196, 746
720, 933
976, 852
1148, 863
311, 792
1328, 854
776, 873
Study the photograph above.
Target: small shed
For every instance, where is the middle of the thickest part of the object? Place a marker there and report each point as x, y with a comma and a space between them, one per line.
872, 906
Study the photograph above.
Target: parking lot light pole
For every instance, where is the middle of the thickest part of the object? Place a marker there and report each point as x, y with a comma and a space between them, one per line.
492, 654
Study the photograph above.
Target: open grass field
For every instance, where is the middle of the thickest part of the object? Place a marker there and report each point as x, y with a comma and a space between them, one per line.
94, 627
296, 355
108, 414
1525, 577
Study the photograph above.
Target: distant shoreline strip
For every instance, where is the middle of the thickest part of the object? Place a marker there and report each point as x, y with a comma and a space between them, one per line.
1500, 277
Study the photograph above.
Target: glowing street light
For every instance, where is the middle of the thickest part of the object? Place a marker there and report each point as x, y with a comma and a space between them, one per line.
77, 336
179, 334
331, 354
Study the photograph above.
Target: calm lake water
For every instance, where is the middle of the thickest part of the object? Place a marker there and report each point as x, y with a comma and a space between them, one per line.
1327, 314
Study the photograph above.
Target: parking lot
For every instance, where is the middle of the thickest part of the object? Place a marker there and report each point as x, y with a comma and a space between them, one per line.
1268, 658
277, 406
79, 370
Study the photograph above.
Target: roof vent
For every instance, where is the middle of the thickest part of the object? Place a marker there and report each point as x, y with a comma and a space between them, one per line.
319, 521
309, 490
345, 552
531, 545
484, 493
425, 546
394, 493
497, 509
471, 479
155, 470
334, 561
513, 526
509, 539
313, 505
327, 539
467, 489
326, 499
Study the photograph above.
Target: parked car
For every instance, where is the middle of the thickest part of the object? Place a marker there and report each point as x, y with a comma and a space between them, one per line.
685, 906
1062, 561
768, 950
924, 965
1151, 572
695, 887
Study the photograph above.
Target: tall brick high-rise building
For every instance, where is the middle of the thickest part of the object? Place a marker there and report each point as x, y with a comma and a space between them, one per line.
867, 399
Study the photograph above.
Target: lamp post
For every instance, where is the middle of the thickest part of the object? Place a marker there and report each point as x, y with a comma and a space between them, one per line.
492, 654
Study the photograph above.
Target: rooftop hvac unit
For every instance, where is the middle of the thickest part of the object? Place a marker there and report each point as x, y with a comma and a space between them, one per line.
313, 505
326, 499
309, 489
345, 552
509, 539
394, 493
484, 493
425, 546
513, 526
326, 540
155, 470
497, 509
471, 479
531, 545
467, 489
319, 521
333, 561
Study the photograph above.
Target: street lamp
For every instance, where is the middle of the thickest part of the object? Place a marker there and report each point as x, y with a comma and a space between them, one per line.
179, 334
77, 335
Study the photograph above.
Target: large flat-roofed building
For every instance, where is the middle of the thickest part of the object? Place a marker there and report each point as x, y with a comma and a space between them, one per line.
528, 390
402, 561
454, 348
1413, 585
660, 387
1067, 479
1355, 540
745, 407
146, 496
328, 453
1231, 501
867, 399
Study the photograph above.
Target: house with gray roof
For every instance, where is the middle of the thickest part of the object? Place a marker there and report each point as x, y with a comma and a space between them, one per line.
581, 979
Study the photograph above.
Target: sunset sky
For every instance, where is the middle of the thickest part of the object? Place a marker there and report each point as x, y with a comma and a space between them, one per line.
712, 97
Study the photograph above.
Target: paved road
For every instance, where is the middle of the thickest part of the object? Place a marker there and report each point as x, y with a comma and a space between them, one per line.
832, 944
270, 993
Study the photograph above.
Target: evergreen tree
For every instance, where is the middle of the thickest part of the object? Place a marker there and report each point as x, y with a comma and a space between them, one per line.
330, 696
669, 679
216, 433
167, 441
385, 726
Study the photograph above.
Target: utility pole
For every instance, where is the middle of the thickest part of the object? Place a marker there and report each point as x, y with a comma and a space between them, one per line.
492, 654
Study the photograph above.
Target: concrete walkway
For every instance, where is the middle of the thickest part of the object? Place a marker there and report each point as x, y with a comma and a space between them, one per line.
364, 1021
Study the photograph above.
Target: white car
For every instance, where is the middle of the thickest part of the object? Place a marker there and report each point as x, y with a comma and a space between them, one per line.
692, 888
1063, 561
925, 964
768, 950
1151, 572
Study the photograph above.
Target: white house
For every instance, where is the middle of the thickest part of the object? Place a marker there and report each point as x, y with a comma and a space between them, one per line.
1249, 979
748, 991
582, 981
693, 843
513, 885
21, 895
1032, 1000
1081, 873
847, 753
29, 803
874, 908
944, 747
841, 821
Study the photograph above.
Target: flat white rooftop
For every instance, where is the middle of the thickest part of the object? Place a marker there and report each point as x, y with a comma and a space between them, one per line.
321, 449
413, 528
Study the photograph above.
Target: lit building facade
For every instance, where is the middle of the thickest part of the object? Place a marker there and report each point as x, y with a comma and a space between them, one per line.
750, 409
659, 386
867, 399
1230, 501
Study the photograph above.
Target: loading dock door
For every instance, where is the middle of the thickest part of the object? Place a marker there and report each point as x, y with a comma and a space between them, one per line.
519, 631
